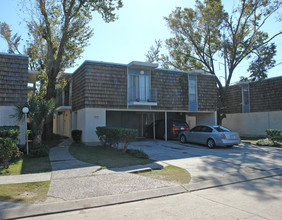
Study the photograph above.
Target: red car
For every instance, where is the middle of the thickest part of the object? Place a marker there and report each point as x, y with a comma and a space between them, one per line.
174, 127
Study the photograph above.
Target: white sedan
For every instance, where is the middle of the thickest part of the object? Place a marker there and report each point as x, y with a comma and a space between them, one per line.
210, 135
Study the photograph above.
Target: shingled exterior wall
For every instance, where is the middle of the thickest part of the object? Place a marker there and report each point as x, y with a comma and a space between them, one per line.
13, 79
104, 85
172, 88
233, 100
265, 96
100, 85
207, 93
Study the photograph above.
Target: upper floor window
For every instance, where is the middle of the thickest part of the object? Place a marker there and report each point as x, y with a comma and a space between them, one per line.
192, 85
245, 99
139, 85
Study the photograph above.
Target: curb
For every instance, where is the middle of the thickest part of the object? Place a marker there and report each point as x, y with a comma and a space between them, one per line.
231, 180
23, 211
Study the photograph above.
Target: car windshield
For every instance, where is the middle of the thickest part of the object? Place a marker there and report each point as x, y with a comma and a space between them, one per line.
221, 129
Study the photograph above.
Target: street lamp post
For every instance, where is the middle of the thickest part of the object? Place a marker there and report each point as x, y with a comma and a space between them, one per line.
25, 111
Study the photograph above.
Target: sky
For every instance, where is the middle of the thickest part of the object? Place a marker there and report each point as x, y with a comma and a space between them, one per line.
140, 23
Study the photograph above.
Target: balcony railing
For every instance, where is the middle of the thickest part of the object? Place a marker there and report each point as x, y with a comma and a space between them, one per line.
142, 96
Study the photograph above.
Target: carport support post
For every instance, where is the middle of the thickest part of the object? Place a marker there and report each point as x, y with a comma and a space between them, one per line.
165, 126
154, 126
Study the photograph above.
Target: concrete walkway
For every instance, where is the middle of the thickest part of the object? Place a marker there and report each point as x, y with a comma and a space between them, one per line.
76, 185
73, 179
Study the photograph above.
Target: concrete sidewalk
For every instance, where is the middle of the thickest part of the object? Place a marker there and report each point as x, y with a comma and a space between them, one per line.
76, 185
25, 178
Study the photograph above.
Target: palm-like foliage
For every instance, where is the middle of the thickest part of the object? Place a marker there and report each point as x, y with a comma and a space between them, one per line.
40, 111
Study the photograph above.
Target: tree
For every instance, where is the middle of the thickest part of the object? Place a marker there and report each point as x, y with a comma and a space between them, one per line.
208, 33
12, 41
61, 29
40, 111
153, 55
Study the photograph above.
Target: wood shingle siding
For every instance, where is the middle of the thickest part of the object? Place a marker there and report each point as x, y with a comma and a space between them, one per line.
13, 79
207, 93
172, 89
103, 86
264, 95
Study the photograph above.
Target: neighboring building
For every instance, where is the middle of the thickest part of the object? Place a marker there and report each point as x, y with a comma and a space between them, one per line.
132, 96
252, 107
13, 88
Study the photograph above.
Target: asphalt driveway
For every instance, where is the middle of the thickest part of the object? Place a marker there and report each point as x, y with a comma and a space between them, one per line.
210, 164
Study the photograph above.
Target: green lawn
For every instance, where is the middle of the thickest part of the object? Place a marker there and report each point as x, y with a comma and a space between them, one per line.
104, 156
27, 165
169, 173
24, 192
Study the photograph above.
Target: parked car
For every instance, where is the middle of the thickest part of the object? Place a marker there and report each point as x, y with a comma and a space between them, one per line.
210, 135
174, 127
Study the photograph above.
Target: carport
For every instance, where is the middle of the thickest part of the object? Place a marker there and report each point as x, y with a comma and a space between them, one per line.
140, 119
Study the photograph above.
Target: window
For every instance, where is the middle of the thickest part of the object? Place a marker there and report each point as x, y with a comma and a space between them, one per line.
245, 99
139, 85
221, 129
192, 85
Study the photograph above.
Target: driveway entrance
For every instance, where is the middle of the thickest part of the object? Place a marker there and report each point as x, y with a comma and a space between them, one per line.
211, 164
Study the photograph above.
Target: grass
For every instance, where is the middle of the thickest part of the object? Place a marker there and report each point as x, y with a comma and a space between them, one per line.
169, 173
27, 165
25, 192
104, 156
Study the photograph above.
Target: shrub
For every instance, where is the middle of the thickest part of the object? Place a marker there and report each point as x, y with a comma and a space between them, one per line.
273, 133
265, 142
76, 135
126, 136
9, 132
8, 149
111, 136
39, 150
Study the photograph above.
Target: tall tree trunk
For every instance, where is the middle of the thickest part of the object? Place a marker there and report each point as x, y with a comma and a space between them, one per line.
51, 93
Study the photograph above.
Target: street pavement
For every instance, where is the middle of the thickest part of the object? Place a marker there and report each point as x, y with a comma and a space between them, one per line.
227, 183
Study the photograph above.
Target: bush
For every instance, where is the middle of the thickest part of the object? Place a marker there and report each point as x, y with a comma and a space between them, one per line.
111, 136
76, 135
39, 150
265, 142
9, 132
273, 133
8, 149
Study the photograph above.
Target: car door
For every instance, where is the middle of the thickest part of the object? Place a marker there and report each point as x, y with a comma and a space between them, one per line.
194, 134
204, 134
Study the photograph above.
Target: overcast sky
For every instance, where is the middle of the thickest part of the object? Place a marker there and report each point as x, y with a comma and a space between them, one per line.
130, 37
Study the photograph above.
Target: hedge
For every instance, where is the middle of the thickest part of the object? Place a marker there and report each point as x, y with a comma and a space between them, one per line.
8, 144
112, 136
273, 133
9, 132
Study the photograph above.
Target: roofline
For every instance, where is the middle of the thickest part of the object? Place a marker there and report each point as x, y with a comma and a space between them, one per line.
146, 65
12, 54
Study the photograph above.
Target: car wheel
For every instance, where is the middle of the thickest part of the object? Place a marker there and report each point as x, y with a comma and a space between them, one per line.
182, 139
211, 143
